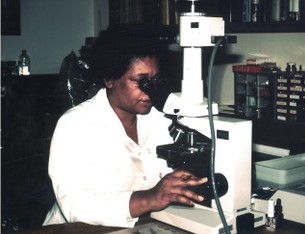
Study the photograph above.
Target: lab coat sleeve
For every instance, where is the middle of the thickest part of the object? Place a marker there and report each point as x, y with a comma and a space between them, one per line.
86, 186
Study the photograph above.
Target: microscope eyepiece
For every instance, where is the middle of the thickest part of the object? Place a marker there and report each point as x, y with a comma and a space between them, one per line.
156, 88
147, 86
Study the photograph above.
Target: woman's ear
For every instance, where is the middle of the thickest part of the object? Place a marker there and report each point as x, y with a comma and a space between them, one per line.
108, 83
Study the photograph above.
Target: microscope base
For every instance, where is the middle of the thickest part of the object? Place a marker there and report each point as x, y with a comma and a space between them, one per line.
198, 219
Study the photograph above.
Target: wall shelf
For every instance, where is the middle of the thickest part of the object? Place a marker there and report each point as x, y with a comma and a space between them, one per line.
141, 12
263, 27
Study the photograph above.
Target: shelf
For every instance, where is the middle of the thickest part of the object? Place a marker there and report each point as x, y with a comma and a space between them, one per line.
232, 10
169, 32
270, 27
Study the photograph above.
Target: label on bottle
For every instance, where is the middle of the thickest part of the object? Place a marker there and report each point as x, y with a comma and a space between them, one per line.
294, 96
282, 95
282, 88
281, 103
24, 71
296, 88
281, 117
283, 111
293, 104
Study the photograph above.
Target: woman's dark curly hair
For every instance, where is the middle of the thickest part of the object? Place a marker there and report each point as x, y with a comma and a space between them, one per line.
116, 48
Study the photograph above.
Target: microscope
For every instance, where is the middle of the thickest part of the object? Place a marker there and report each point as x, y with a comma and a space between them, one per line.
193, 142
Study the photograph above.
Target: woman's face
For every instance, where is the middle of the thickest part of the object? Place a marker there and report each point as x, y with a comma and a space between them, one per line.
125, 95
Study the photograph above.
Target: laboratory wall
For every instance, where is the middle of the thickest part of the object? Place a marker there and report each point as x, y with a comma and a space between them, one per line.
50, 29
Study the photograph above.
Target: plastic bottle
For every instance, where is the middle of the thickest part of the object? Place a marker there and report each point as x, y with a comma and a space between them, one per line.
24, 63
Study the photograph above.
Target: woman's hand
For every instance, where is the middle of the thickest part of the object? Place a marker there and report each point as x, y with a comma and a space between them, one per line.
172, 188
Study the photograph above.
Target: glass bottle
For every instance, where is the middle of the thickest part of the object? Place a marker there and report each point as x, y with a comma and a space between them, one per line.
24, 63
255, 11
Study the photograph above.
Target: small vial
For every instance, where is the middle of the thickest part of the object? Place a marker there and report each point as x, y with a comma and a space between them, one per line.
294, 10
270, 224
291, 67
278, 213
255, 11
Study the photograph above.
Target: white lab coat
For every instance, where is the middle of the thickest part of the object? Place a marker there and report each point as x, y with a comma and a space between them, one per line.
95, 166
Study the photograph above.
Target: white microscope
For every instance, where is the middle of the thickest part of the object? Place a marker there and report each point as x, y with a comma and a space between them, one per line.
233, 140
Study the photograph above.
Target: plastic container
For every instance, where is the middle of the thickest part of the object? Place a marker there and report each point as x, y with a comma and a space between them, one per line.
282, 172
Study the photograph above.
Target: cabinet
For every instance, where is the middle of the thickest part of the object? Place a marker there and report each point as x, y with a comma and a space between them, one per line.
236, 13
29, 112
30, 108
264, 93
254, 95
270, 27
